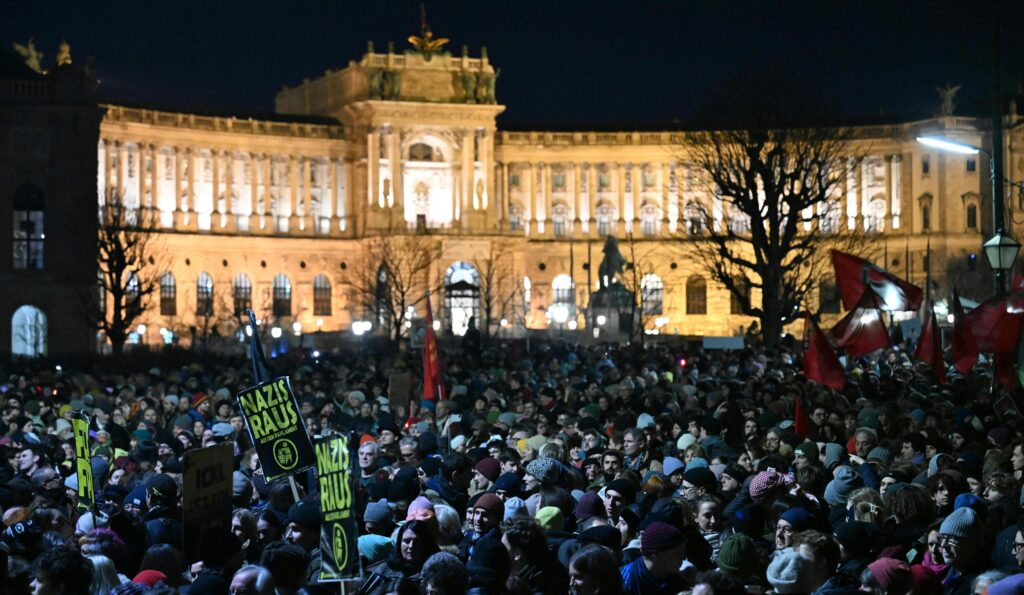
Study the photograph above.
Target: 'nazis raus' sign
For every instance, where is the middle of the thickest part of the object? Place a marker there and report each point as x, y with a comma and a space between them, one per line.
272, 415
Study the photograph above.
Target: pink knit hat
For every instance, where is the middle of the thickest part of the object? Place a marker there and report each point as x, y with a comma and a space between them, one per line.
765, 483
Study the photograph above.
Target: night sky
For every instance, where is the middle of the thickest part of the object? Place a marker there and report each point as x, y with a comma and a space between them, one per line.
565, 65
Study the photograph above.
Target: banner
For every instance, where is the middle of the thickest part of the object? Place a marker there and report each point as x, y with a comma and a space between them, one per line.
206, 495
83, 462
276, 428
339, 556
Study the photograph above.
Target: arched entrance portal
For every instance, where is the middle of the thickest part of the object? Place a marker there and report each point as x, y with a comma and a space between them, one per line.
461, 297
28, 332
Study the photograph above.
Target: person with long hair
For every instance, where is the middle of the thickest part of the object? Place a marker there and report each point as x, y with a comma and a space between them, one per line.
104, 575
415, 543
594, 570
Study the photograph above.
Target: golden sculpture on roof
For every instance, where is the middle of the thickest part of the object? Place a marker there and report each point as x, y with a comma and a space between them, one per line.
425, 43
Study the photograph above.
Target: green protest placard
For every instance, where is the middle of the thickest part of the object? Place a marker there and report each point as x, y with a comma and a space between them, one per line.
83, 461
206, 495
339, 556
276, 428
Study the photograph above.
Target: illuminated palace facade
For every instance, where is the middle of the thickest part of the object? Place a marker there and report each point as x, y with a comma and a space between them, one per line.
277, 214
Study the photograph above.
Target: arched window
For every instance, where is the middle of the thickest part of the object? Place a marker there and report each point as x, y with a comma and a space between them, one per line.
461, 297
28, 228
735, 304
926, 218
828, 297
204, 295
321, 296
168, 295
241, 294
421, 152
972, 216
282, 295
696, 295
652, 290
28, 332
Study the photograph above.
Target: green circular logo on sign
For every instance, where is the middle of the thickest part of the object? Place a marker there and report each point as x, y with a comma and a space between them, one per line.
285, 454
339, 544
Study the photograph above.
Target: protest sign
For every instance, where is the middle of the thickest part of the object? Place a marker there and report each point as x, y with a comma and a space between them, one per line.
83, 461
339, 556
206, 495
277, 431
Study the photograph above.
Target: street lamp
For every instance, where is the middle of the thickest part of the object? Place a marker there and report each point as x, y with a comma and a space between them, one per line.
998, 248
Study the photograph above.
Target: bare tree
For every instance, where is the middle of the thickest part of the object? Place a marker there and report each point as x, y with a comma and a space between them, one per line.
394, 274
499, 287
771, 208
646, 299
130, 266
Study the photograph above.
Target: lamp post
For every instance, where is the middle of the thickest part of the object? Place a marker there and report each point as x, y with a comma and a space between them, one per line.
997, 249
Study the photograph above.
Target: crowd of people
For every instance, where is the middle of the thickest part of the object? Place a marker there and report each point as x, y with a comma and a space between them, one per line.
593, 470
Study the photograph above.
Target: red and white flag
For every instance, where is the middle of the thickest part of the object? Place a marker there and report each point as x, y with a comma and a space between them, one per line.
854, 275
862, 330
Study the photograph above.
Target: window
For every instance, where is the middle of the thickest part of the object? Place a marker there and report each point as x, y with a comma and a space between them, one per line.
421, 152
204, 295
527, 295
28, 332
972, 166
652, 290
513, 180
604, 180
742, 284
694, 219
605, 213
168, 295
926, 218
563, 305
558, 181
828, 297
972, 216
696, 295
558, 216
282, 295
515, 217
874, 217
926, 166
242, 294
321, 296
649, 220
649, 179
28, 229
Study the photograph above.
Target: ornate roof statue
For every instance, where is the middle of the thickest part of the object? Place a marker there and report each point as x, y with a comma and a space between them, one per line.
425, 42
33, 57
946, 96
63, 54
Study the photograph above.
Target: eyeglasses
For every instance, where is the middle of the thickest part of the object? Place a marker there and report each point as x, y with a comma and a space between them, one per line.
1017, 546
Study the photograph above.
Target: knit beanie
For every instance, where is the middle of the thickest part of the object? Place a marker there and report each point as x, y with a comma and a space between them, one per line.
375, 547
150, 578
880, 453
686, 440
736, 472
550, 518
808, 449
624, 487
749, 520
515, 507
545, 469
701, 477
377, 512
659, 537
798, 518
605, 535
738, 556
855, 537
489, 468
790, 572
892, 575
962, 523
838, 490
672, 465
305, 513
590, 506
506, 482
491, 504
835, 455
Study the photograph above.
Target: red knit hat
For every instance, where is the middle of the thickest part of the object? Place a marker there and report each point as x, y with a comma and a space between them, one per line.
366, 438
491, 504
489, 468
764, 484
150, 578
658, 537
892, 575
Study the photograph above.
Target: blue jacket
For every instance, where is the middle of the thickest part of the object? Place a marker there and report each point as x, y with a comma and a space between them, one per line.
637, 580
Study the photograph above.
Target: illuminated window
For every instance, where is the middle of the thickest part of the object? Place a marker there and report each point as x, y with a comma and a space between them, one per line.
696, 295
652, 290
282, 295
168, 295
242, 294
321, 296
28, 332
204, 295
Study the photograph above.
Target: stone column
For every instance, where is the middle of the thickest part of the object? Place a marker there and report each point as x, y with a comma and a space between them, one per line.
576, 194
637, 194
851, 193
254, 193
894, 192
468, 138
348, 213
119, 173
673, 196
268, 219
531, 198
504, 202
620, 184
664, 177
865, 183
542, 185
293, 195
591, 222
487, 163
308, 224
332, 181
372, 168
154, 187
395, 161
215, 189
103, 169
143, 151
179, 199
230, 221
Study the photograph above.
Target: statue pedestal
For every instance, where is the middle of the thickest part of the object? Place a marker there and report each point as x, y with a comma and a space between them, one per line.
614, 305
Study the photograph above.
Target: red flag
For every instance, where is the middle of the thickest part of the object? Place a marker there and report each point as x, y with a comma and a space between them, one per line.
1005, 368
929, 346
433, 377
996, 324
820, 361
862, 329
854, 275
965, 347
